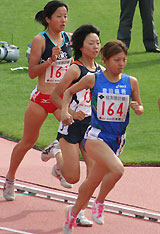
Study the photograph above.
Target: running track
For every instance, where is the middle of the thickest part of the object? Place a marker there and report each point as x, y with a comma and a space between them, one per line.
139, 187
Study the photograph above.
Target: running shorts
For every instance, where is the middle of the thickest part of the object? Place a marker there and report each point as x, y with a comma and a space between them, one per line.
116, 143
43, 100
75, 132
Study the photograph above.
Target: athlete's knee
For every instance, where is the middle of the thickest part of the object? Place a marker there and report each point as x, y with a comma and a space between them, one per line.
118, 171
72, 178
27, 145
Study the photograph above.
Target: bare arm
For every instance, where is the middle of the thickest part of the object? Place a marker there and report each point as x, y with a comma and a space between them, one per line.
72, 74
35, 67
136, 103
85, 83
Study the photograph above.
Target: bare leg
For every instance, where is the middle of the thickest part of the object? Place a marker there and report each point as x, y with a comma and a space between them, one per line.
88, 161
107, 185
35, 115
71, 149
69, 166
88, 187
105, 162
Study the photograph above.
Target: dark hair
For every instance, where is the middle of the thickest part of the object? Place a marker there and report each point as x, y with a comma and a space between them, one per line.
79, 36
113, 47
49, 9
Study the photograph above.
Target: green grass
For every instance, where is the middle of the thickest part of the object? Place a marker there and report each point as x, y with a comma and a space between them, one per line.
18, 27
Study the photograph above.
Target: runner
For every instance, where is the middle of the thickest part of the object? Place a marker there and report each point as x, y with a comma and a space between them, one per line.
86, 45
50, 49
112, 93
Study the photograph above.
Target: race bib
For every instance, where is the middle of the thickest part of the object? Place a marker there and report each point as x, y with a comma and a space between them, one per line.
112, 107
84, 101
55, 72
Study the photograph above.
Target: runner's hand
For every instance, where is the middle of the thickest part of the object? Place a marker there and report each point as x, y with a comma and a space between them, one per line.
80, 115
66, 118
55, 53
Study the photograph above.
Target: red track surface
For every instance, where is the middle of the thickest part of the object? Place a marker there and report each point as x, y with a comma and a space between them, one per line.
28, 214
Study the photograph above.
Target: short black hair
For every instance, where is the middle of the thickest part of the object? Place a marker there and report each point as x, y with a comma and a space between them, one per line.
79, 36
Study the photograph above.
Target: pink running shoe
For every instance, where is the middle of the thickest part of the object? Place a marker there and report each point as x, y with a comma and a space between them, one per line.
71, 220
57, 173
97, 211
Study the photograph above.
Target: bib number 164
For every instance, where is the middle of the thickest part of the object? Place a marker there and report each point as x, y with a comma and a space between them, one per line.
112, 107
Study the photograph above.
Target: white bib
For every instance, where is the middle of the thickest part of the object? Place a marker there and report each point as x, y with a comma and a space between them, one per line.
56, 71
112, 107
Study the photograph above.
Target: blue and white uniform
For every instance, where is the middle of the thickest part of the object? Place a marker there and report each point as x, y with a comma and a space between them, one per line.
110, 111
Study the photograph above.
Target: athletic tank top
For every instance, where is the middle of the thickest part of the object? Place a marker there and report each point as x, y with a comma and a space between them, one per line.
110, 104
82, 99
56, 71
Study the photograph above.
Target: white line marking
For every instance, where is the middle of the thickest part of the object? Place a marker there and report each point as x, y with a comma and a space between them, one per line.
116, 208
14, 230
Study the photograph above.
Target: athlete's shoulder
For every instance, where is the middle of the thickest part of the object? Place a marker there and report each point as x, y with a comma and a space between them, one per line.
68, 34
74, 70
133, 81
128, 77
102, 68
38, 36
77, 62
132, 78
37, 39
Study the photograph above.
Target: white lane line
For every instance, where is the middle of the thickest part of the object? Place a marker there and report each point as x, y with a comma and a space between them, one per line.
14, 230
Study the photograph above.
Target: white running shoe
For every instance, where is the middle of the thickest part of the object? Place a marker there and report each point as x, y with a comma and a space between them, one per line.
82, 220
97, 211
57, 173
70, 222
50, 151
8, 191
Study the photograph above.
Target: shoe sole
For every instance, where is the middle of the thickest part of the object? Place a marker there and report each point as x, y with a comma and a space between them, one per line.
84, 225
9, 199
97, 222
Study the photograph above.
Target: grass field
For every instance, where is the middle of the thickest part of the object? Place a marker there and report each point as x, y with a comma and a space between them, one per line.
18, 27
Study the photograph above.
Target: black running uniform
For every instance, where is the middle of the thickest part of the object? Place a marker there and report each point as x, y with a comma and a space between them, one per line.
55, 72
81, 101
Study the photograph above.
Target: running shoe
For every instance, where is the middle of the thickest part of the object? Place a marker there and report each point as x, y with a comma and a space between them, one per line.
97, 211
50, 151
70, 222
82, 220
57, 173
8, 191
